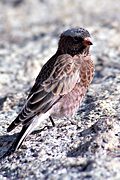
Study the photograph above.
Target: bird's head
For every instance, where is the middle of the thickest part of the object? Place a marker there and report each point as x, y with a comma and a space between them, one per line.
75, 41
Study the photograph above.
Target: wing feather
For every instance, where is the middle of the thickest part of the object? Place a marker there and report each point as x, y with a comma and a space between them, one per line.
61, 81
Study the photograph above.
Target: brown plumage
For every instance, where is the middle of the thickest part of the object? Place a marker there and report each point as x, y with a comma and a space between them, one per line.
60, 85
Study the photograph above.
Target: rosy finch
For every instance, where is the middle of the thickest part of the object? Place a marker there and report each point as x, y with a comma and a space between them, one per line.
60, 86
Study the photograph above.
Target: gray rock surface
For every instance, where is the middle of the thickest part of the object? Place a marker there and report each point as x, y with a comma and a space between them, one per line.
88, 146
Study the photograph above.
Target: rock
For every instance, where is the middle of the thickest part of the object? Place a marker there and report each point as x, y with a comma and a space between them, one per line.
86, 147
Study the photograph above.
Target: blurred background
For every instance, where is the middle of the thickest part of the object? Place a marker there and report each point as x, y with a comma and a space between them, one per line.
29, 33
30, 29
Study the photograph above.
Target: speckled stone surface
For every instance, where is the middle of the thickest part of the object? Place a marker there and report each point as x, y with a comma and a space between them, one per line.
88, 146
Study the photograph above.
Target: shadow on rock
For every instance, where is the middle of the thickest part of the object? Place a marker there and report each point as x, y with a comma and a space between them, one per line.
2, 100
5, 143
81, 149
89, 138
89, 105
8, 142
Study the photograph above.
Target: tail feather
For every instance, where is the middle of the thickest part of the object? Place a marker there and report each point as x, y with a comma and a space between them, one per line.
17, 121
13, 124
26, 130
17, 143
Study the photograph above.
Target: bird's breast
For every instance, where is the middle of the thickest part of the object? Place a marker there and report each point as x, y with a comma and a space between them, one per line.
86, 73
69, 103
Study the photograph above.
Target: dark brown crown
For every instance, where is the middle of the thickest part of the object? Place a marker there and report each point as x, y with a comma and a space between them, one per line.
79, 32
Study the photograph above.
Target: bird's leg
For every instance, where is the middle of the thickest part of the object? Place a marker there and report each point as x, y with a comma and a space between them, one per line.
51, 119
40, 130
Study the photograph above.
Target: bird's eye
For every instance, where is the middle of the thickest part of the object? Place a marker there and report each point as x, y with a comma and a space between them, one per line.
77, 40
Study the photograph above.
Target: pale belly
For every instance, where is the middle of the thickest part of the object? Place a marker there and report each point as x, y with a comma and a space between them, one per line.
69, 103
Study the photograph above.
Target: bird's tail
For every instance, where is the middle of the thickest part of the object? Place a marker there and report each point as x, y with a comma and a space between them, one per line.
26, 130
18, 141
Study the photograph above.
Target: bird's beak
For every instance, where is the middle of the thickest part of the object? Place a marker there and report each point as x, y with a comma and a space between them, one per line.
87, 41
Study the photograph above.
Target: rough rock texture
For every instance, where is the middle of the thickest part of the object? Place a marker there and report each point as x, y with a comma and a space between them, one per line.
88, 146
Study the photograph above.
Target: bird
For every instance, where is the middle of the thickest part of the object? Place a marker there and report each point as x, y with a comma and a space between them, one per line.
59, 87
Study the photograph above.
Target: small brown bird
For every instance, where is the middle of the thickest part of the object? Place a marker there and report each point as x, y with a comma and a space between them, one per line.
60, 85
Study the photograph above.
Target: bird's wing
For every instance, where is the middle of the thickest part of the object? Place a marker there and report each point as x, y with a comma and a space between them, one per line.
44, 74
61, 81
63, 77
